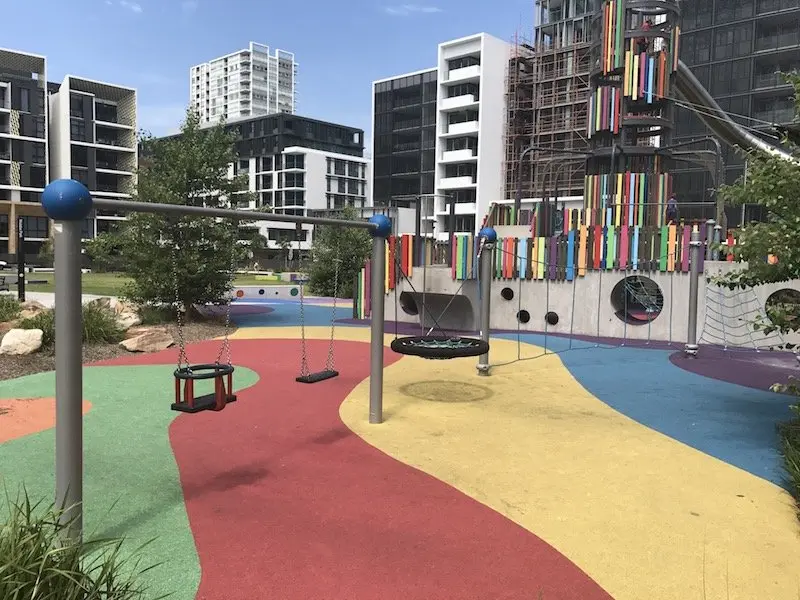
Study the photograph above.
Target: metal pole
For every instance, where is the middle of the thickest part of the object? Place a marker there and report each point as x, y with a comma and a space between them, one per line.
486, 302
695, 253
69, 376
21, 259
378, 298
225, 213
717, 239
418, 250
710, 239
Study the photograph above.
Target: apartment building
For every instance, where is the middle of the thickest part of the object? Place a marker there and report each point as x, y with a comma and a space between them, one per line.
298, 165
23, 150
547, 91
449, 151
246, 83
737, 50
93, 140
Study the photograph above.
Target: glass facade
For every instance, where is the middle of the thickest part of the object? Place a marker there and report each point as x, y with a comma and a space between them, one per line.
404, 153
735, 49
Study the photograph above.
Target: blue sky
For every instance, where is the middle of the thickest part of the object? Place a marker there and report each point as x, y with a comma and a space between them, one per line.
341, 46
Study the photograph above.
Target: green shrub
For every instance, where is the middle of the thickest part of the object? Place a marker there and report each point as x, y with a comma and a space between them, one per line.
9, 308
38, 562
790, 446
151, 314
99, 326
46, 321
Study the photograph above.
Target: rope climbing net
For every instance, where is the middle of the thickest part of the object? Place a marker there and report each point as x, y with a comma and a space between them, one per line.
729, 318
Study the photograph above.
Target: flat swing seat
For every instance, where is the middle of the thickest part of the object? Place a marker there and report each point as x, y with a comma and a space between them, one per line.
318, 376
186, 401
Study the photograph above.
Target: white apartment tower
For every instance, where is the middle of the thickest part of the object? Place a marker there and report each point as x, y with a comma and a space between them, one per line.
438, 135
244, 84
93, 140
470, 122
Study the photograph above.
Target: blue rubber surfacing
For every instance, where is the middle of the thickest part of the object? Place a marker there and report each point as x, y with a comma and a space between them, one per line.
732, 423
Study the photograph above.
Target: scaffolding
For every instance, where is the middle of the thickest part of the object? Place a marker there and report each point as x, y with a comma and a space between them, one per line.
547, 88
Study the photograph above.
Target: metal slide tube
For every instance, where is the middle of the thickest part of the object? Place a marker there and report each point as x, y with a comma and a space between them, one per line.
486, 303
695, 254
225, 213
69, 376
377, 309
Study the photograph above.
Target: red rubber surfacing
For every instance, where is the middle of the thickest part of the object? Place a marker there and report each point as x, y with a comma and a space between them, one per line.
286, 502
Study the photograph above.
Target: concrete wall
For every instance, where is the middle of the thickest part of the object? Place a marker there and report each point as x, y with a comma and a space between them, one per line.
584, 306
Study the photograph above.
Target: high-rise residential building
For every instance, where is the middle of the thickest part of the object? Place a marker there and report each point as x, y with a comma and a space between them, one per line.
438, 134
547, 89
404, 137
244, 84
23, 149
93, 140
298, 165
736, 49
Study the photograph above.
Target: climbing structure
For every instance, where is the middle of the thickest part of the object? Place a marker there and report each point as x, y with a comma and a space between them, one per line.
630, 113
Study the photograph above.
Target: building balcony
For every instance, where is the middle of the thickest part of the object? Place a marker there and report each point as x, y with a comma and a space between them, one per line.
458, 102
461, 208
464, 74
461, 128
466, 155
452, 183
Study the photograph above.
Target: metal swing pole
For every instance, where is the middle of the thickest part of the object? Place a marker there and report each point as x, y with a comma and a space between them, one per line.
377, 325
68, 203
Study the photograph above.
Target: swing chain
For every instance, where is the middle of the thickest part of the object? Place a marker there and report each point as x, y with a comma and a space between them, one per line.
179, 310
225, 348
303, 354
329, 364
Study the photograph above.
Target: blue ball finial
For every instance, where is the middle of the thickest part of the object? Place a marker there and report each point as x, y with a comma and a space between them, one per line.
66, 200
384, 226
489, 234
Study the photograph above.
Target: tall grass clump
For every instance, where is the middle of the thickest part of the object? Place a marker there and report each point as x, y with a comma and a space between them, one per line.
99, 326
39, 562
9, 308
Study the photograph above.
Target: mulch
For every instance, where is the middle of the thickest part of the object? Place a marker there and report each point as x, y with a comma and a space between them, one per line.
12, 367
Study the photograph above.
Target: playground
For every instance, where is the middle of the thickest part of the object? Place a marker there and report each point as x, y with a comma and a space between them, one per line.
591, 473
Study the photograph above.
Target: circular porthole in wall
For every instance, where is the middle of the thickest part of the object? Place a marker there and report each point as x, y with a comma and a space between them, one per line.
293, 292
784, 301
261, 292
523, 316
637, 300
507, 293
408, 304
551, 318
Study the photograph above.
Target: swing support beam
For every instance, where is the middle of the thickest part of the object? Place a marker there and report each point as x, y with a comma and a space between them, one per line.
68, 203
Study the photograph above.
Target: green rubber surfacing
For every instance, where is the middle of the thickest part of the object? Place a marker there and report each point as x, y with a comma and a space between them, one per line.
131, 482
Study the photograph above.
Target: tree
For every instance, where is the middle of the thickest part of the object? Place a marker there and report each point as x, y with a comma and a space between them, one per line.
105, 252
349, 246
187, 257
774, 183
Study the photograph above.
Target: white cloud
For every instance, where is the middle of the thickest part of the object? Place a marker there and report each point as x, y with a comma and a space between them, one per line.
189, 6
404, 10
131, 6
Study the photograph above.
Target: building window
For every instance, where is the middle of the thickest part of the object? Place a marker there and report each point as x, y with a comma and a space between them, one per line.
294, 198
339, 167
25, 100
4, 226
292, 180
77, 130
266, 181
463, 62
36, 227
295, 161
352, 187
354, 169
341, 186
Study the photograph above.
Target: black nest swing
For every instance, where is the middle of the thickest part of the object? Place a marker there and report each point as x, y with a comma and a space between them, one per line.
440, 347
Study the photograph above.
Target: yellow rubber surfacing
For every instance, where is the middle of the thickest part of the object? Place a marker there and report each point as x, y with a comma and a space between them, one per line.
645, 516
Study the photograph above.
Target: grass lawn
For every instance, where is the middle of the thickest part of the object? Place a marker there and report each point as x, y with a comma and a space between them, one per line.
110, 284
